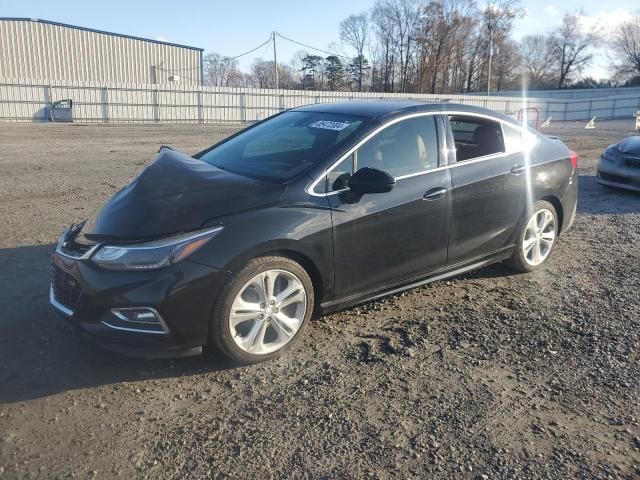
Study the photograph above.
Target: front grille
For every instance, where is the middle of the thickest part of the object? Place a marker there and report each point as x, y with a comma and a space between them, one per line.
73, 248
632, 162
614, 178
65, 288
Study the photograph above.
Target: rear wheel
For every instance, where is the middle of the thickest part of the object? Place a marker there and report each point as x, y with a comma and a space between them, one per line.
536, 239
263, 311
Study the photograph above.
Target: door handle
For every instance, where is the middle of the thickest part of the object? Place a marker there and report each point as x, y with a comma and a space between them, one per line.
434, 193
517, 169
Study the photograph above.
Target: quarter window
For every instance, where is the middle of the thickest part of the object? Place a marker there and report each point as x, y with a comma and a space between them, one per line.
512, 139
405, 148
338, 178
476, 137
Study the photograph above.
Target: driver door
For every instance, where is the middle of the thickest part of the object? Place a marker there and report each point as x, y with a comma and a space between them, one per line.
383, 239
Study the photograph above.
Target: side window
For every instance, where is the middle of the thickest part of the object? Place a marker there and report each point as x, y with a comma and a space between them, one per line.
409, 146
476, 137
512, 139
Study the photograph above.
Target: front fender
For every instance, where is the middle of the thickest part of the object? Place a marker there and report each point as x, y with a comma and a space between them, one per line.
304, 229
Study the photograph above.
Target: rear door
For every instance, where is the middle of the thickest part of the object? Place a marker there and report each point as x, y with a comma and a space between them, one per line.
488, 186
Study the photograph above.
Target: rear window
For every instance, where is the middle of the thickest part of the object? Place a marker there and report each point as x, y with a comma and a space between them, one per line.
285, 146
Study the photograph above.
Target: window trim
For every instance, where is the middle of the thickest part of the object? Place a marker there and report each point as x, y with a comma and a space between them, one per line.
444, 149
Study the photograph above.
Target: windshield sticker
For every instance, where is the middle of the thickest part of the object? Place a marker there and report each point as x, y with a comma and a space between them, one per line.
329, 125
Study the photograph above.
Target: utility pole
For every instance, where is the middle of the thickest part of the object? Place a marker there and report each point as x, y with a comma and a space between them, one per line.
490, 27
275, 60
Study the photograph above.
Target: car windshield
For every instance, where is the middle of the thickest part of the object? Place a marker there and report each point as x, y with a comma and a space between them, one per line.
284, 146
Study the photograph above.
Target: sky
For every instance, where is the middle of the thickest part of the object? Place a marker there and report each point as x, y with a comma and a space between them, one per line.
233, 27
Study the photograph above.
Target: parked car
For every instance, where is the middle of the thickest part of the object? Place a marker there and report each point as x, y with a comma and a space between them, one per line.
619, 165
312, 210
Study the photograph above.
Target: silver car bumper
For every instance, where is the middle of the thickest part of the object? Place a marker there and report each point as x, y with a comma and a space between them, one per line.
619, 174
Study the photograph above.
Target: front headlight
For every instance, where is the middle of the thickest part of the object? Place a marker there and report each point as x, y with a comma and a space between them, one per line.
156, 254
610, 153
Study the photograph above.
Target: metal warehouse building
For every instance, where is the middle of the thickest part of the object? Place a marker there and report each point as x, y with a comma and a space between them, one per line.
42, 50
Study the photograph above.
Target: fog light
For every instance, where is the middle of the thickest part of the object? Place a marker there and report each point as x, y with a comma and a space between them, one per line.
137, 319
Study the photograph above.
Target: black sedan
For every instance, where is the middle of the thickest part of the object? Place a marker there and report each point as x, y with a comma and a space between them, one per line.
619, 165
312, 210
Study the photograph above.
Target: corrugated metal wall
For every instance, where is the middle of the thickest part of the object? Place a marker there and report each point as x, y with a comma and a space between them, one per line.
29, 101
40, 50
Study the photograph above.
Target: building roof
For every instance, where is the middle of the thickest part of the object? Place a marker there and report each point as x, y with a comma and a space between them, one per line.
58, 24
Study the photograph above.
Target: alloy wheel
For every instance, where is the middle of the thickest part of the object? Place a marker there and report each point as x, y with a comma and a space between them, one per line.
539, 237
267, 312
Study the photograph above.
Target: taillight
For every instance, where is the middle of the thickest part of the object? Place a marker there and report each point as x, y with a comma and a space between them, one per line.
573, 156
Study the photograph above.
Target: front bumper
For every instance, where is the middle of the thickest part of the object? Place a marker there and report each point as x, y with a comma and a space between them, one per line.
617, 174
181, 295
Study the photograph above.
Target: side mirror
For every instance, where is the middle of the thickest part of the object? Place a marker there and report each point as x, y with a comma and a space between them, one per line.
371, 180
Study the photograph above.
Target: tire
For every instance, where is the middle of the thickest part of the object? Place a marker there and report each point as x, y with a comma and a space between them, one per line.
248, 325
530, 238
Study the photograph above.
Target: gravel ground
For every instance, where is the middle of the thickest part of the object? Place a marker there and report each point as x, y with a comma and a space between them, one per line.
488, 375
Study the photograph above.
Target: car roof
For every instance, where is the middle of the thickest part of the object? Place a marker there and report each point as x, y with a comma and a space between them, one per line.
390, 108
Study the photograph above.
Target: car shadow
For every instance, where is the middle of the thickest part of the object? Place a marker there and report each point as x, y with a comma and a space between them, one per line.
41, 356
597, 199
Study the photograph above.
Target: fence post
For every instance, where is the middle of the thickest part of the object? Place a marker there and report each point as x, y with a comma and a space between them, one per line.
104, 102
243, 108
590, 109
47, 102
566, 105
546, 114
613, 108
156, 106
282, 105
200, 108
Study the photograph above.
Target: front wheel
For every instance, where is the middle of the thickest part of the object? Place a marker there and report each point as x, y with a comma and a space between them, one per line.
536, 238
263, 310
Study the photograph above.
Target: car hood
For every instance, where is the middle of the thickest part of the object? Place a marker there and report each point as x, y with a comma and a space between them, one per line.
174, 194
630, 145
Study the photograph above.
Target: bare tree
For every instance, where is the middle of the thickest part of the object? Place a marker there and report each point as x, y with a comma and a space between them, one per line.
571, 48
385, 34
498, 21
262, 75
219, 71
537, 60
397, 24
407, 16
507, 65
445, 27
354, 31
626, 44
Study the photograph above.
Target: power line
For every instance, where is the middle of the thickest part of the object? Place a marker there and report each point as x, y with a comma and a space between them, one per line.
251, 51
171, 70
309, 46
268, 41
264, 51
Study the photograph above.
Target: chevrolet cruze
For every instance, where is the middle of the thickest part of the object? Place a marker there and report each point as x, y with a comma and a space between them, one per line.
314, 209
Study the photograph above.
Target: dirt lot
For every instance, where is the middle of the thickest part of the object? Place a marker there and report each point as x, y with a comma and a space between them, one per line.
489, 375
